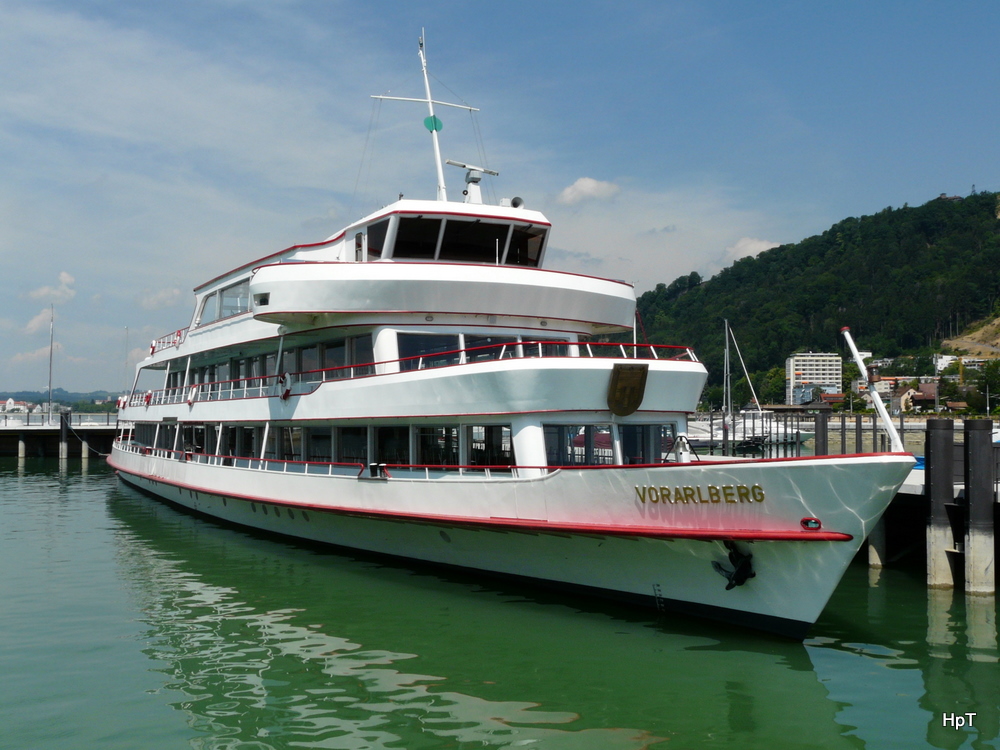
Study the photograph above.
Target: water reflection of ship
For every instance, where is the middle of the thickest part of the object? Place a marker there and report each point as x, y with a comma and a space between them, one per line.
261, 639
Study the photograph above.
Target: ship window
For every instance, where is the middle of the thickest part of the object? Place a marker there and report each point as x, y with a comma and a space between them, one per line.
416, 238
525, 246
309, 367
546, 348
496, 347
647, 443
578, 445
376, 239
428, 349
474, 242
361, 352
437, 446
490, 445
235, 299
209, 309
335, 354
318, 441
393, 444
352, 445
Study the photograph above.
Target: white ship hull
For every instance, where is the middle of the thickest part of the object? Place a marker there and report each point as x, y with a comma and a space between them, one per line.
612, 531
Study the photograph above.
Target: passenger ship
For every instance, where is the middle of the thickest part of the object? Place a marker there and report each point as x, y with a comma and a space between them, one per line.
421, 385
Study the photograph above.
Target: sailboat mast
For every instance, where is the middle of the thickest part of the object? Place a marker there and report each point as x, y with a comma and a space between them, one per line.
52, 327
727, 391
433, 125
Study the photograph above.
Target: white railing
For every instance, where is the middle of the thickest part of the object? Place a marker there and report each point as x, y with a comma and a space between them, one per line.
331, 468
298, 383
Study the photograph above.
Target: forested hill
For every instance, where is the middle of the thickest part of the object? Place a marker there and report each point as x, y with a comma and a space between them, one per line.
902, 280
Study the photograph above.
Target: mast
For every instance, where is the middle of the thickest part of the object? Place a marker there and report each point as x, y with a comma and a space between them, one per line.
727, 393
433, 124
52, 325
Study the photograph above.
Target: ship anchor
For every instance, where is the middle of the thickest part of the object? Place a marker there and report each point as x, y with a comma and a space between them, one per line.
741, 563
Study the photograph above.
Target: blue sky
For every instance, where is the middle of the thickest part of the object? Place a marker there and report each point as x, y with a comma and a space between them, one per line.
146, 147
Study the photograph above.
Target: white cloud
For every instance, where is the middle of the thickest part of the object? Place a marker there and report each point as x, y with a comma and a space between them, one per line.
651, 237
38, 355
587, 188
745, 247
39, 322
159, 300
56, 294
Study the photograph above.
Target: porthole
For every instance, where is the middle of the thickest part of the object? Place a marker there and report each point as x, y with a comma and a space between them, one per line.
305, 516
291, 513
253, 507
264, 508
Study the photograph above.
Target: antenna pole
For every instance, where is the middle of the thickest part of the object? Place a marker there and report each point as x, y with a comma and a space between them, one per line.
433, 126
52, 326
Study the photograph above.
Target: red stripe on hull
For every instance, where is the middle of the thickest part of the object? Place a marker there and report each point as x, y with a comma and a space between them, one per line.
652, 532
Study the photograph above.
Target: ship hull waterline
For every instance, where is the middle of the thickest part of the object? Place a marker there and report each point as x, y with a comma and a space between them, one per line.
623, 538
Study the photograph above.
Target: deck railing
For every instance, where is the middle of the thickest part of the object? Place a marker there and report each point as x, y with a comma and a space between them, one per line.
334, 468
298, 383
165, 342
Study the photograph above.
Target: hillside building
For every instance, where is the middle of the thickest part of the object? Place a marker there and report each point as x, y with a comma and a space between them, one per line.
808, 371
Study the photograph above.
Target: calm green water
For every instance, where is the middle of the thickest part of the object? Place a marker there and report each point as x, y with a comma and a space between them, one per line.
126, 624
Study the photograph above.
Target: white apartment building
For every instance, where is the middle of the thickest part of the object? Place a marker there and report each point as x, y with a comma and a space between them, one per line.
807, 371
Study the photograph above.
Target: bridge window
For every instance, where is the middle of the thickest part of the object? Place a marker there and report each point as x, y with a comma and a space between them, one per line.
525, 246
417, 238
376, 239
474, 242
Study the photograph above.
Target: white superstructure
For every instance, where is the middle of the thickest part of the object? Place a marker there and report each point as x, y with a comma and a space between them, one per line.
420, 385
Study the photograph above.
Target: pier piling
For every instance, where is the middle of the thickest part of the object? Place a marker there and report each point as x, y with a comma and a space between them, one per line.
822, 435
63, 435
979, 470
939, 447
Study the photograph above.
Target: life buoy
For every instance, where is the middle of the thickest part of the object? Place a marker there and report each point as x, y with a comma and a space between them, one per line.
147, 398
285, 385
192, 395
152, 348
